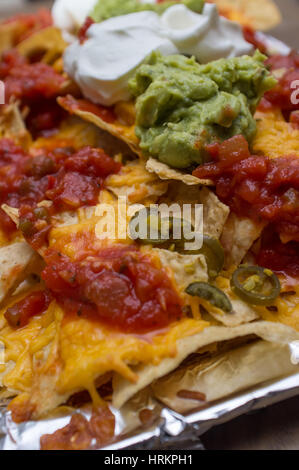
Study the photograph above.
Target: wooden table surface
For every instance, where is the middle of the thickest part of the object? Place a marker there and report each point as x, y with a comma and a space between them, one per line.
276, 427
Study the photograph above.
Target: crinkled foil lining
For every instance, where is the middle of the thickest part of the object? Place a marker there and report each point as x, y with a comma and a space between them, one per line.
169, 430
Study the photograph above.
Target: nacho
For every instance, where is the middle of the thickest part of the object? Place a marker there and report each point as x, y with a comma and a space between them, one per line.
124, 390
136, 184
48, 44
102, 117
166, 173
197, 386
238, 236
87, 310
17, 261
12, 126
260, 15
9, 33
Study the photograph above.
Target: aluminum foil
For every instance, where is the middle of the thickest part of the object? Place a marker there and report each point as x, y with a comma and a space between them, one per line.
168, 431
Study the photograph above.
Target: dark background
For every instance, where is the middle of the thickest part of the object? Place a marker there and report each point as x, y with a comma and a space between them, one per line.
276, 427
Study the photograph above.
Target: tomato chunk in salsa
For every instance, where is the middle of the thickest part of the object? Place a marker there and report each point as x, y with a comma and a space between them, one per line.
282, 258
119, 287
67, 178
27, 81
256, 186
34, 304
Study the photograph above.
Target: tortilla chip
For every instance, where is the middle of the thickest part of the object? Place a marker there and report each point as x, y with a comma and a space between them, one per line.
215, 214
123, 390
239, 234
136, 183
102, 117
259, 14
12, 212
241, 313
73, 132
12, 125
47, 44
17, 261
184, 269
223, 375
166, 173
9, 34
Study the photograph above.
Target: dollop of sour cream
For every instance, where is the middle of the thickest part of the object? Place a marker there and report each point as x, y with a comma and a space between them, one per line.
207, 36
69, 15
103, 65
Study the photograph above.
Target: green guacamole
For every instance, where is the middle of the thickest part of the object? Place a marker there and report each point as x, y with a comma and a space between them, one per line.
106, 9
182, 106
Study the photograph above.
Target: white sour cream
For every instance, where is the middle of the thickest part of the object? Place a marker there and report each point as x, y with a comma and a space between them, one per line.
69, 15
207, 36
103, 65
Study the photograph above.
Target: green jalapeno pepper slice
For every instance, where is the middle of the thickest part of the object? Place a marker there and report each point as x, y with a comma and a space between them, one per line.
156, 229
165, 230
150, 227
255, 285
214, 254
210, 293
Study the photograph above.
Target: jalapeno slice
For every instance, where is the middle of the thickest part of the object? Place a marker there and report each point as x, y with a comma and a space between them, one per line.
255, 285
210, 293
148, 227
151, 228
214, 254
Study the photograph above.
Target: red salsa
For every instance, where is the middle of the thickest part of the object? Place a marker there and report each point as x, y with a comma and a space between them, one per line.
82, 35
36, 85
71, 104
255, 186
67, 178
27, 81
34, 304
119, 286
44, 118
280, 258
284, 95
254, 38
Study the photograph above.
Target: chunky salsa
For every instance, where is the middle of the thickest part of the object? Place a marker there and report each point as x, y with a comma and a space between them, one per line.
67, 178
283, 258
28, 81
34, 304
255, 186
120, 287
